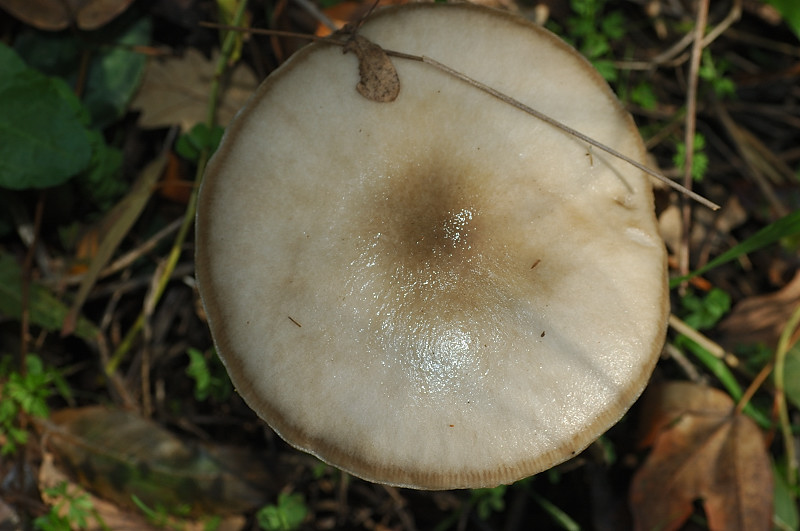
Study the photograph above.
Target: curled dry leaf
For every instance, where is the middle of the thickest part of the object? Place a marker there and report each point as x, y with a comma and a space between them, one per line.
702, 450
379, 81
117, 454
55, 15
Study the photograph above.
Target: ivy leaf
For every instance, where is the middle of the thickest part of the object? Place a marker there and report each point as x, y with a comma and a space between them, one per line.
43, 136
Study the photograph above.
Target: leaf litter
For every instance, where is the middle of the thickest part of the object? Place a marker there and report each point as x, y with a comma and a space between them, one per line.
118, 455
717, 435
702, 449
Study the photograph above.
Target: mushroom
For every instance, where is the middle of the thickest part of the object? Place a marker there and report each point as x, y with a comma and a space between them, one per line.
440, 291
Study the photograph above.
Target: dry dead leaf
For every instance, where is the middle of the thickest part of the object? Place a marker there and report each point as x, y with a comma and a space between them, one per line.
117, 454
705, 451
8, 517
111, 515
175, 90
55, 15
379, 81
760, 319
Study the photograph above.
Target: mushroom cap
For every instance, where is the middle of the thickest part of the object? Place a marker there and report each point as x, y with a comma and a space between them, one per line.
441, 291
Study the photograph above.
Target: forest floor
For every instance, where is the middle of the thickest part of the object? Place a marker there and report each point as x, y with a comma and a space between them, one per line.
106, 361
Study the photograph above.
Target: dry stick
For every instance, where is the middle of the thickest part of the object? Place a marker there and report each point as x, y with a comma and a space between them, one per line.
740, 141
671, 57
505, 99
567, 129
131, 256
497, 94
698, 337
691, 126
188, 219
754, 386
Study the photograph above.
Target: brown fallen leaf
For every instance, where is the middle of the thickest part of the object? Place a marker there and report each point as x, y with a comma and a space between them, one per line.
107, 515
55, 15
116, 455
702, 450
760, 319
175, 91
379, 81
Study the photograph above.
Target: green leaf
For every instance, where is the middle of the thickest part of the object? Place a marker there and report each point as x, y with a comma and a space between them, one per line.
643, 95
792, 376
52, 53
705, 312
116, 72
287, 515
200, 137
785, 227
102, 183
613, 25
699, 161
488, 500
785, 511
43, 138
790, 9
115, 68
198, 370
606, 69
45, 309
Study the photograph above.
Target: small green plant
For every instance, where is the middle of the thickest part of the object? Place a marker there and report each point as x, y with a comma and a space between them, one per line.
160, 516
210, 378
643, 96
702, 313
78, 507
487, 501
190, 144
25, 393
592, 30
713, 72
286, 515
699, 161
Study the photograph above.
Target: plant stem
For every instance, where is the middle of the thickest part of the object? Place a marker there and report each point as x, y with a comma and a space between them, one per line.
784, 344
188, 218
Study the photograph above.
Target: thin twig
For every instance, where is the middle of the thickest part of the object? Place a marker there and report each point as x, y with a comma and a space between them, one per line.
567, 129
188, 220
502, 97
713, 348
672, 56
689, 132
754, 386
131, 256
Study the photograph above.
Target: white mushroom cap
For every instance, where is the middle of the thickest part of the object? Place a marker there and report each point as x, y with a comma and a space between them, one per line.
441, 291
